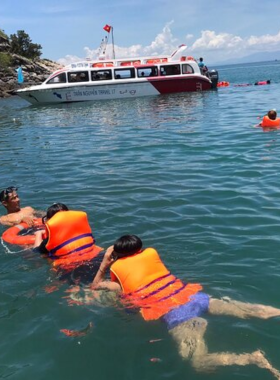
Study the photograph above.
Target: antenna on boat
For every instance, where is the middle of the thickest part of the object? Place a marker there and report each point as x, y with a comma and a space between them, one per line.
108, 29
102, 48
113, 44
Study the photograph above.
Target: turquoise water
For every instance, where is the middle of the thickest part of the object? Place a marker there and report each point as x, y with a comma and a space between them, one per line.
192, 177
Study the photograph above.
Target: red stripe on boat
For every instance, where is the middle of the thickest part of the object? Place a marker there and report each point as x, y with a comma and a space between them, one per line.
181, 84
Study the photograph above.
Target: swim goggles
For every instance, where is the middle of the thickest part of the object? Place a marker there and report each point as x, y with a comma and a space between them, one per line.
4, 195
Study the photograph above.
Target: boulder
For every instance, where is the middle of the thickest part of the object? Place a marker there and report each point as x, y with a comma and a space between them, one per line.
34, 72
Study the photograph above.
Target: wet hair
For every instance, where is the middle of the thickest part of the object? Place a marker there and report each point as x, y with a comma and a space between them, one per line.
127, 245
200, 59
272, 114
4, 195
53, 209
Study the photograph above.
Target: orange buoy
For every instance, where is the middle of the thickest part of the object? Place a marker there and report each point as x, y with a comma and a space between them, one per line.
130, 63
103, 64
223, 84
157, 60
22, 234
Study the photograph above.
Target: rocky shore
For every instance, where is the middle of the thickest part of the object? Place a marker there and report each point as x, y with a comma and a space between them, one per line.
33, 73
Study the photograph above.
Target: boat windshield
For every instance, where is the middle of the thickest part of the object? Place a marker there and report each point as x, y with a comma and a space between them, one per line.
59, 78
187, 69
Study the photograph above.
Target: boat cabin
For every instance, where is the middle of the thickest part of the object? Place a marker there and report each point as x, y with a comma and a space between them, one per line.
78, 74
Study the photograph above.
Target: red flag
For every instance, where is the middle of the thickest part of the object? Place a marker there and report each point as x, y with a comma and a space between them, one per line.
107, 28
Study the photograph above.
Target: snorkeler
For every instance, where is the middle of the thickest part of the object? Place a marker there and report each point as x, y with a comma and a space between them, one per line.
146, 283
15, 214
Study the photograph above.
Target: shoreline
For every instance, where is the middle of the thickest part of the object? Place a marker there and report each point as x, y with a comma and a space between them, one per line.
34, 72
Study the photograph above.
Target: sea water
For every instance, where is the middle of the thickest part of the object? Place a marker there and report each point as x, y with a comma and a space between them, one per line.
193, 177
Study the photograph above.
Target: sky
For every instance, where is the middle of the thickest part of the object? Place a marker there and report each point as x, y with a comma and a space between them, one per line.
213, 29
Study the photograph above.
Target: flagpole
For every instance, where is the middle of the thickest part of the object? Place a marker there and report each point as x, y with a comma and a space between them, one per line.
105, 46
113, 44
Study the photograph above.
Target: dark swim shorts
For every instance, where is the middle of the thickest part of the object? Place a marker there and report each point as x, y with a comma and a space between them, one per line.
198, 305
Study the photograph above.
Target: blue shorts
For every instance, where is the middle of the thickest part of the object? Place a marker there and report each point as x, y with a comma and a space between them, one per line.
198, 304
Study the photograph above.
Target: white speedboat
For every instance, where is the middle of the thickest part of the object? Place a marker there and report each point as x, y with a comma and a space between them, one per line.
122, 78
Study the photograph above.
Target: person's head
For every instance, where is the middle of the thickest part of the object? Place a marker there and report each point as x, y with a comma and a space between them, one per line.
10, 199
127, 245
272, 114
53, 209
200, 59
268, 81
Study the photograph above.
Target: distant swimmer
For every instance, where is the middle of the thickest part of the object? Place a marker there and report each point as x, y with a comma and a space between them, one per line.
145, 283
263, 82
270, 120
223, 84
15, 214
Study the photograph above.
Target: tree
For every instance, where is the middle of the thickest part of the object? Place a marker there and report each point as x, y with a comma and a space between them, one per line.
3, 35
21, 44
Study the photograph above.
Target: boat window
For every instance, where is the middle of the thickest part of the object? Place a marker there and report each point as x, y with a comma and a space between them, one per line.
124, 73
78, 76
60, 78
187, 69
101, 75
170, 70
144, 72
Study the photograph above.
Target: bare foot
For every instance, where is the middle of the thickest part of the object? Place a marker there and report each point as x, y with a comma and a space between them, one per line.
259, 359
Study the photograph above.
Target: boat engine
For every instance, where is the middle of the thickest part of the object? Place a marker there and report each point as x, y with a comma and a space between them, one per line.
214, 77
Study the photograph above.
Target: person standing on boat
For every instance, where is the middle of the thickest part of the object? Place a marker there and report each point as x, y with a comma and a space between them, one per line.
15, 214
202, 66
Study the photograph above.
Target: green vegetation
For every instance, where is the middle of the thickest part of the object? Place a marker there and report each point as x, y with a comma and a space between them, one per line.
21, 44
5, 60
3, 35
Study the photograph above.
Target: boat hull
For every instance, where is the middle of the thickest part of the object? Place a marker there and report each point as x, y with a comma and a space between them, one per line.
44, 94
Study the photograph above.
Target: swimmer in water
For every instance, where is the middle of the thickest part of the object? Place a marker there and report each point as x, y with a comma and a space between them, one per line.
270, 120
69, 243
15, 214
146, 283
263, 82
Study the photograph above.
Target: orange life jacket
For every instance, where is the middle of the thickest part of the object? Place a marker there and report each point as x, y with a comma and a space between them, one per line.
262, 82
222, 84
70, 238
267, 122
147, 284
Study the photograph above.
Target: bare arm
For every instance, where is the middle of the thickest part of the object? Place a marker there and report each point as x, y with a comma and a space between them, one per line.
98, 281
108, 285
38, 238
5, 220
25, 215
12, 219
